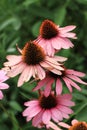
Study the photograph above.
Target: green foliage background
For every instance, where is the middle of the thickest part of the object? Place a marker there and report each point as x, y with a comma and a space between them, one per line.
19, 22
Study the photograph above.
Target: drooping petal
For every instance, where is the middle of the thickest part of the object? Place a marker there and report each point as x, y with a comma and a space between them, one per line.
31, 103
67, 83
64, 125
37, 119
73, 72
41, 83
13, 60
67, 28
74, 84
4, 86
31, 111
76, 79
69, 35
56, 115
74, 121
17, 69
1, 95
65, 109
53, 126
48, 88
46, 116
58, 86
25, 75
65, 102
40, 72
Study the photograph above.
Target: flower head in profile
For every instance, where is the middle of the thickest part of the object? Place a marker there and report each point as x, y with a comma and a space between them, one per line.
32, 62
3, 85
52, 37
68, 76
75, 125
44, 109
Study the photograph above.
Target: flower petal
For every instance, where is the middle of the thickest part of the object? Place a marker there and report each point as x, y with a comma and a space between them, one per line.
58, 86
4, 86
46, 116
1, 95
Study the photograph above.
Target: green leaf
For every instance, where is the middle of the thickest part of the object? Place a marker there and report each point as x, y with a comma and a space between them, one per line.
15, 106
35, 28
59, 15
28, 2
11, 21
82, 115
3, 127
42, 12
82, 1
79, 96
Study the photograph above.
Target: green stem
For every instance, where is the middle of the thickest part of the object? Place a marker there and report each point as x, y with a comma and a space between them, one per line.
9, 115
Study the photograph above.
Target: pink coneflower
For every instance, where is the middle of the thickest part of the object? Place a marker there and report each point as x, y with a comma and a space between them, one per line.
68, 76
31, 63
75, 125
3, 78
52, 37
44, 109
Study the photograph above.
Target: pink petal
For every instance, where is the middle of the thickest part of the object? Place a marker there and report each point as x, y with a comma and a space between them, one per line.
55, 71
74, 121
76, 79
79, 74
69, 35
41, 83
48, 88
65, 102
31, 111
67, 84
58, 87
60, 58
56, 115
13, 60
65, 96
4, 86
66, 116
66, 43
17, 69
55, 66
28, 119
63, 125
45, 65
74, 84
1, 95
25, 75
37, 119
52, 60
56, 44
49, 49
46, 116
31, 103
65, 109
29, 73
67, 28
3, 76
40, 72
53, 126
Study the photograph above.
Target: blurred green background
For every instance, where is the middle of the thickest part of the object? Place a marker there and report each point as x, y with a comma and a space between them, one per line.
19, 22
